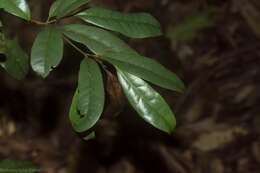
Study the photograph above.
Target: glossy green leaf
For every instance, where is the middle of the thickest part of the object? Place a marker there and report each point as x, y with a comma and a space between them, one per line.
17, 62
62, 8
88, 102
18, 8
135, 25
97, 40
18, 166
145, 68
47, 51
147, 102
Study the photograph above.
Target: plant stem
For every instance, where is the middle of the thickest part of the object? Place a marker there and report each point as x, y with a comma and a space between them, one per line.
43, 23
97, 58
80, 50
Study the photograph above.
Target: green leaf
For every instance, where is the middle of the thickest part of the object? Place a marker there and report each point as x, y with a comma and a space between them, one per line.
97, 40
61, 8
17, 62
90, 86
18, 8
47, 51
135, 25
18, 166
88, 102
145, 68
147, 102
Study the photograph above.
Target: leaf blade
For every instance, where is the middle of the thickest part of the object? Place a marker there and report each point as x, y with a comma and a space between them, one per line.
97, 40
145, 68
17, 61
134, 25
61, 8
147, 102
47, 51
18, 8
88, 102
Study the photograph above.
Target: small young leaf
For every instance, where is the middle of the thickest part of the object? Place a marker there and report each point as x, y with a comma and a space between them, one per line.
18, 166
147, 102
90, 136
47, 51
88, 102
18, 8
97, 40
135, 25
62, 8
146, 69
17, 62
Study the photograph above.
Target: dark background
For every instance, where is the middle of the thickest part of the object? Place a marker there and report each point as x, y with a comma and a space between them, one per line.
212, 45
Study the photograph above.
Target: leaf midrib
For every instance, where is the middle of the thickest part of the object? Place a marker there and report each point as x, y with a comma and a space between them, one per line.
124, 20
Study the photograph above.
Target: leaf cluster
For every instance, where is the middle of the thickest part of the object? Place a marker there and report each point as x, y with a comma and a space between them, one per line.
133, 70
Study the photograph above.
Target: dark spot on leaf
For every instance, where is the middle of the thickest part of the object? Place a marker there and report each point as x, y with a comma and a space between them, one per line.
81, 116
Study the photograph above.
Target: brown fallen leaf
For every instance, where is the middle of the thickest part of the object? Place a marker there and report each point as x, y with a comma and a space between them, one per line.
251, 14
215, 139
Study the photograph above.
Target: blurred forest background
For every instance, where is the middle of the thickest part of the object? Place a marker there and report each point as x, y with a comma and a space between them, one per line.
212, 45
